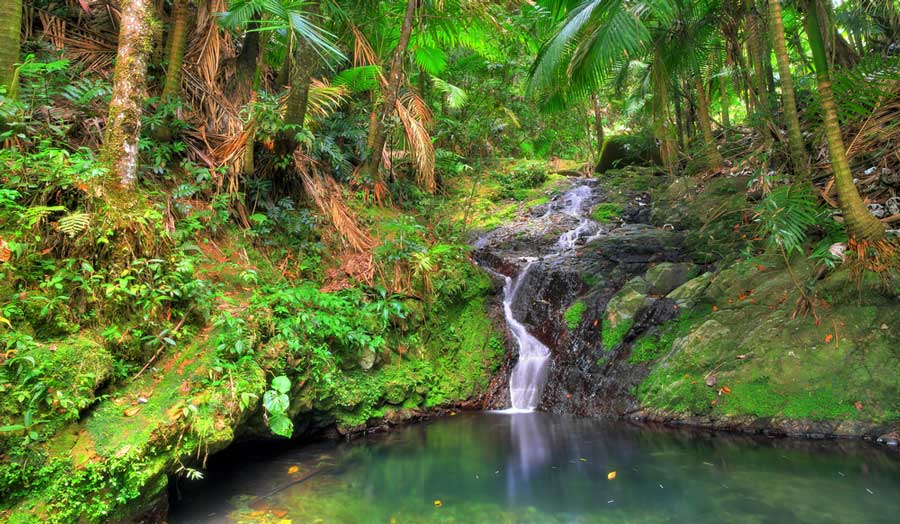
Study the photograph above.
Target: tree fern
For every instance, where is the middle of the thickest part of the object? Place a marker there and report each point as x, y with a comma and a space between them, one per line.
786, 215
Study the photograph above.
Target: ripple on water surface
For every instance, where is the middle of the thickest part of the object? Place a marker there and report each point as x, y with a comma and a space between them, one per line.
535, 468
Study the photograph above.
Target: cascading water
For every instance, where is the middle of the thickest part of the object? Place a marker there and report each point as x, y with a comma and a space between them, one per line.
527, 379
526, 382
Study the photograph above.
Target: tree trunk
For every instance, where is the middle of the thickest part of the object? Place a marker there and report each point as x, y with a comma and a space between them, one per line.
175, 47
249, 73
668, 148
713, 157
726, 103
301, 78
301, 75
679, 120
377, 134
598, 124
861, 225
757, 54
174, 57
123, 127
799, 158
10, 29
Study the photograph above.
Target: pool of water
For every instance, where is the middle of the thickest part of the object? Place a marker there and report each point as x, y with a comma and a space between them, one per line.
537, 468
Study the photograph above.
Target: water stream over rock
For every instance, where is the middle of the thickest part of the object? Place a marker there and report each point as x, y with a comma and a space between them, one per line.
557, 258
528, 377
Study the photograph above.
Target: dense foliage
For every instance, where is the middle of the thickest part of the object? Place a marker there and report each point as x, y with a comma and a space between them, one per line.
262, 207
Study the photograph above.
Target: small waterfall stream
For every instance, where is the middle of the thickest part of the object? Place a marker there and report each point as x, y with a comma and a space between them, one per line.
526, 382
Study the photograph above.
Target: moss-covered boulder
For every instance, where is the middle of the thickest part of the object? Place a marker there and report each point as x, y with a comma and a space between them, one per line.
628, 150
666, 276
754, 355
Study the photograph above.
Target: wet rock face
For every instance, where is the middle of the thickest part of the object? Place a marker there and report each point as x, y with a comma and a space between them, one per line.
585, 378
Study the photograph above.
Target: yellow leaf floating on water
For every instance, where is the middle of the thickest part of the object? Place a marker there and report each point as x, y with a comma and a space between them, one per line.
293, 469
612, 475
438, 503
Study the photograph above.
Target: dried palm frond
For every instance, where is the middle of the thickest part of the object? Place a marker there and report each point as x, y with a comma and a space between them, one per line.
363, 54
414, 115
328, 197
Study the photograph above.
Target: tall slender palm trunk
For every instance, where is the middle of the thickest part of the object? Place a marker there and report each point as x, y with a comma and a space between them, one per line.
175, 49
10, 29
598, 123
725, 100
377, 133
302, 68
756, 52
123, 127
861, 225
662, 130
713, 157
799, 158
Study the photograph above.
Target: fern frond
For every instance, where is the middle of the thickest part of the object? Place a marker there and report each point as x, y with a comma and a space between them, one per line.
74, 223
35, 214
786, 215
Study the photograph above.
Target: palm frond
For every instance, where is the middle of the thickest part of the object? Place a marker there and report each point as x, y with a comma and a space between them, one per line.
415, 115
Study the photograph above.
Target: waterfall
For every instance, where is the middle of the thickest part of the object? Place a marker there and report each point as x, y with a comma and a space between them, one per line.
526, 382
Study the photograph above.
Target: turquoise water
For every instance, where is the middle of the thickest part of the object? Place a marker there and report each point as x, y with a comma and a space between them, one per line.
538, 468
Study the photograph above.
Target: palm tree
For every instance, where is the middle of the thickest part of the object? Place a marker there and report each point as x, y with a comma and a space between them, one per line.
377, 134
10, 28
861, 225
799, 158
123, 128
674, 37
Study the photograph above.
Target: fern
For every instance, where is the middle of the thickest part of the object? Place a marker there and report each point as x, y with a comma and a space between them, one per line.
83, 91
74, 223
786, 215
35, 214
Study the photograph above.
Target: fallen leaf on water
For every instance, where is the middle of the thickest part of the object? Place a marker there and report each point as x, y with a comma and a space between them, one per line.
828, 338
611, 475
130, 412
438, 503
293, 469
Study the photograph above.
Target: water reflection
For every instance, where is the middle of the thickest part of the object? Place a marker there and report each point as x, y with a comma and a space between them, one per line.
538, 468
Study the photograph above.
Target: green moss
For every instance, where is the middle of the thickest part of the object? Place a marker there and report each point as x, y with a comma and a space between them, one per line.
612, 336
646, 349
573, 314
606, 212
590, 279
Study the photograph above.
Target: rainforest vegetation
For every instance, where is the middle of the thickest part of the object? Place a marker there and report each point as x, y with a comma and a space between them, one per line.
251, 220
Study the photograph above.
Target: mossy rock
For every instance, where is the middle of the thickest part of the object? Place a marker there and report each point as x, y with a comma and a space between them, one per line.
666, 276
628, 150
750, 355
